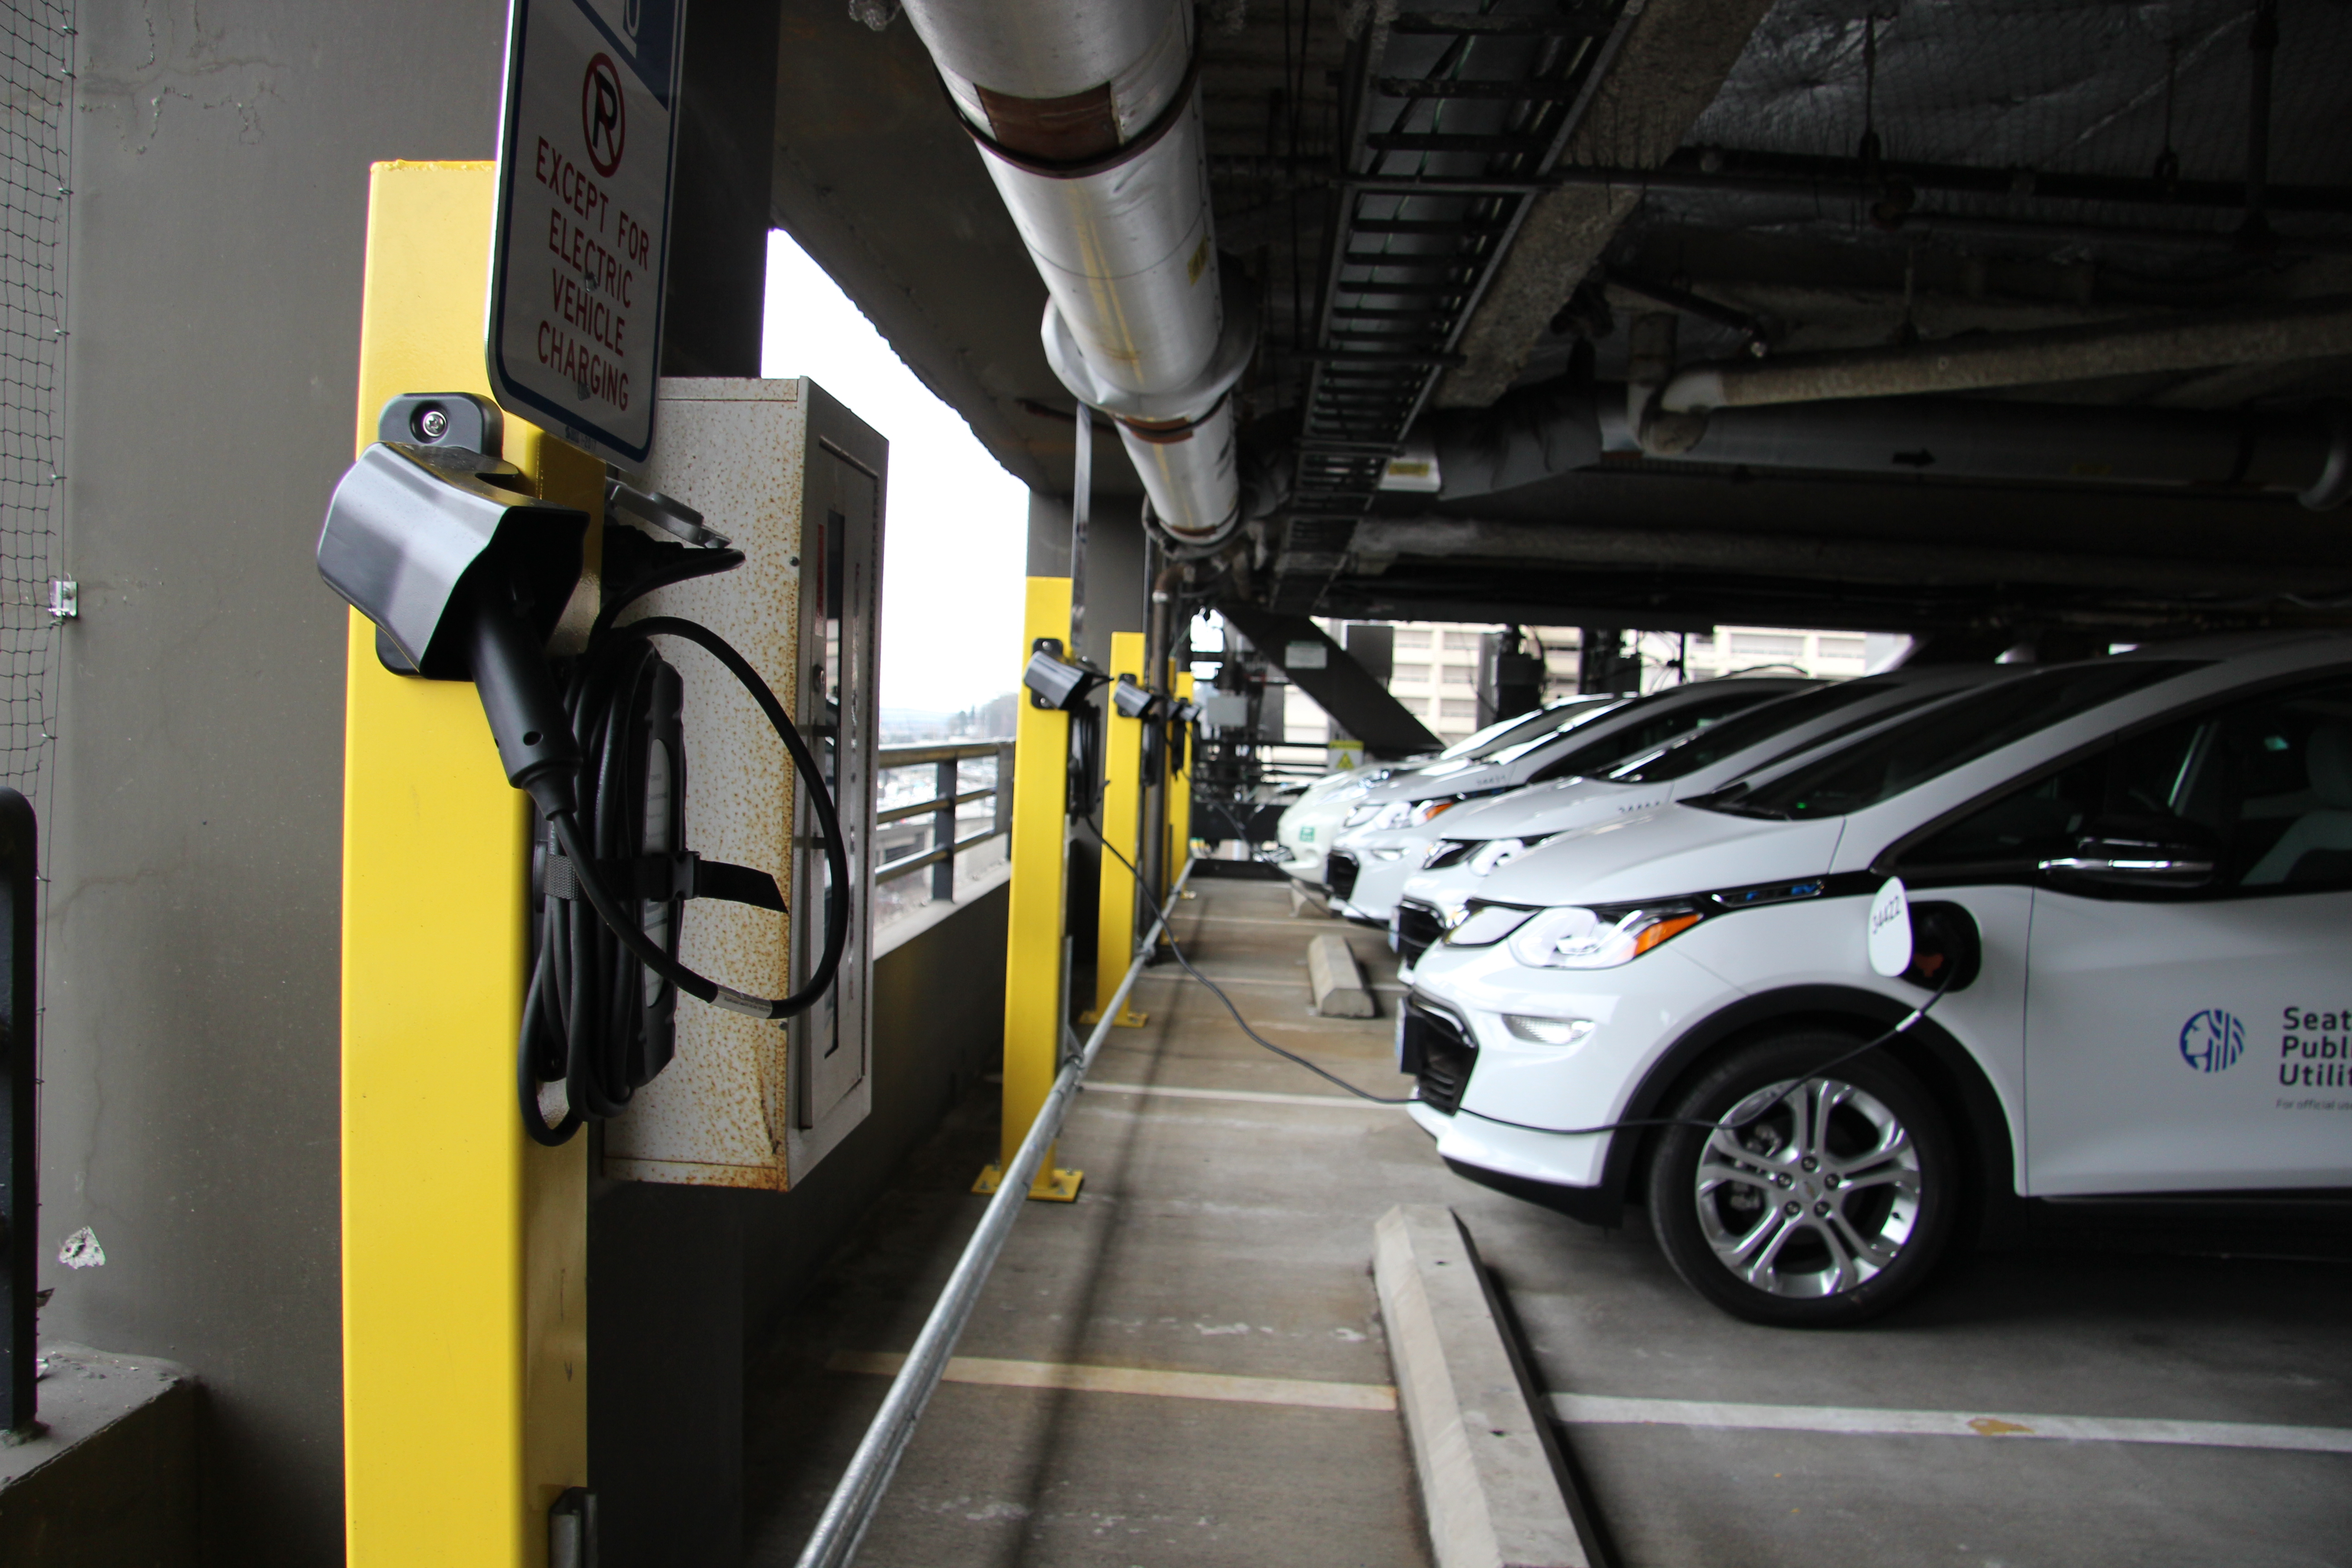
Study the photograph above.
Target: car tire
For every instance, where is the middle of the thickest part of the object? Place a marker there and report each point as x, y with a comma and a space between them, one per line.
1822, 1206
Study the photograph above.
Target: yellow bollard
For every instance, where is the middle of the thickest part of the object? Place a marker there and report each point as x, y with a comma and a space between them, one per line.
1032, 943
1121, 823
465, 1245
1180, 803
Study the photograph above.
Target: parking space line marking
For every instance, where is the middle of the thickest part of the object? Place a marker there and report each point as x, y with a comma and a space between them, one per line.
1588, 1409
1293, 1391
1248, 1096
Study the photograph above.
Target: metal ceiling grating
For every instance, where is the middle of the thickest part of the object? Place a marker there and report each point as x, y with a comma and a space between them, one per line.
1450, 119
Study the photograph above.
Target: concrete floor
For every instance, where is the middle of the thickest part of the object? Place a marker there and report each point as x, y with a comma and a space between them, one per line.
1232, 1236
1226, 1237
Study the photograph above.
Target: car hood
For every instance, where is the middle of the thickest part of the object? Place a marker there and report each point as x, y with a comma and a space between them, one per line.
1451, 778
1550, 807
1666, 853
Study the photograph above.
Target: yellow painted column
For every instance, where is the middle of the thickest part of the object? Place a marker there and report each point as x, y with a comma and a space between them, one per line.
1179, 801
465, 1245
1033, 941
1122, 818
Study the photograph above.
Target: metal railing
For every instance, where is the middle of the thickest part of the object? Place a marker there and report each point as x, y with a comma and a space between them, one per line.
946, 798
842, 1527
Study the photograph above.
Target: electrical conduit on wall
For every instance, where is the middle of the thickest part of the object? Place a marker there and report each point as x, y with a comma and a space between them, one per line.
1087, 116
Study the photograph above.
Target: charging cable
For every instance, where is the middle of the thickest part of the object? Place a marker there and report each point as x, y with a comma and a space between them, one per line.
592, 1020
1168, 935
1757, 1115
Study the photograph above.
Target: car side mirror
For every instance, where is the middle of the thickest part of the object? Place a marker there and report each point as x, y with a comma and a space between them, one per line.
2150, 852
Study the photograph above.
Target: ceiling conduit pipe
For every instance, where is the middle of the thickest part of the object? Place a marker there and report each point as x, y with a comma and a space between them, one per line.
2302, 329
1537, 432
1087, 116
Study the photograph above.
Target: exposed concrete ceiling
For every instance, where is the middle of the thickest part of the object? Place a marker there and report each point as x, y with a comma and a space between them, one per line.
1780, 178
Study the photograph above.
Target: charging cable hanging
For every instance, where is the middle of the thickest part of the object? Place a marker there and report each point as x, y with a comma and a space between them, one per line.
596, 1023
464, 577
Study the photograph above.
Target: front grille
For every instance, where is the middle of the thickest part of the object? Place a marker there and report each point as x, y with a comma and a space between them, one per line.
1418, 927
1438, 1055
1339, 873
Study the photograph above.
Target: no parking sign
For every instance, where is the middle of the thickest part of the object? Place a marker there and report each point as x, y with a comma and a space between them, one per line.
587, 139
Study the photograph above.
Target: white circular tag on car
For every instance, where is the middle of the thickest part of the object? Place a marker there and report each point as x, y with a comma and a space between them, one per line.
1890, 930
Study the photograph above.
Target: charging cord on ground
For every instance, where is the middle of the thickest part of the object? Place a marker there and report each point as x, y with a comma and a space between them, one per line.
1169, 933
1749, 1120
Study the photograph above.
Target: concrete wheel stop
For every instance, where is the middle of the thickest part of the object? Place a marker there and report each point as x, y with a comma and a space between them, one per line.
1337, 979
1495, 1486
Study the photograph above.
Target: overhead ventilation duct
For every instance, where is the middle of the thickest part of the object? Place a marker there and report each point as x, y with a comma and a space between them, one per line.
1088, 115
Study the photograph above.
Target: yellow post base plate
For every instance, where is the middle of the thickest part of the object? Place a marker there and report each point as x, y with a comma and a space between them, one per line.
1056, 1186
1128, 1018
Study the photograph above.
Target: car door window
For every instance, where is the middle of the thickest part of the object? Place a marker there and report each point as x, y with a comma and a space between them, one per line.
2268, 782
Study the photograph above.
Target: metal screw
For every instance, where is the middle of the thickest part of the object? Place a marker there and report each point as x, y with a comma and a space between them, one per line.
1795, 1207
1782, 1178
1822, 1209
1830, 1180
1812, 1163
433, 424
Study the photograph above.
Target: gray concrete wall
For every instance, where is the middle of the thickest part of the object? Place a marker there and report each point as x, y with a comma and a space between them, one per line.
191, 940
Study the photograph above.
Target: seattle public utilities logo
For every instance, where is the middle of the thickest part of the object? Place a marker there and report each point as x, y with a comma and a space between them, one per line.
2211, 1040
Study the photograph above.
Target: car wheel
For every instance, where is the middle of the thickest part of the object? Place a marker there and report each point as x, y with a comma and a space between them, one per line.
1805, 1198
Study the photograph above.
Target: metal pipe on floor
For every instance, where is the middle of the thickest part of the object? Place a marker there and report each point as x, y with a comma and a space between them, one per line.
849, 1512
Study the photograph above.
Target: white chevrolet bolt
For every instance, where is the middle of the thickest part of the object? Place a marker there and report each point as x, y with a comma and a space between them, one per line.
2131, 882
1459, 851
1382, 839
1310, 823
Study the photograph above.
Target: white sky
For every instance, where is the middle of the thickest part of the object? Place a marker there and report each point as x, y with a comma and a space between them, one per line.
955, 546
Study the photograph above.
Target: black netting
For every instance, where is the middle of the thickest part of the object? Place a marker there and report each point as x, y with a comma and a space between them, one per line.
36, 82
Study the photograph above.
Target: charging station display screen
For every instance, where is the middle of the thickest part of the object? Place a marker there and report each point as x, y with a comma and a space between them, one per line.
586, 144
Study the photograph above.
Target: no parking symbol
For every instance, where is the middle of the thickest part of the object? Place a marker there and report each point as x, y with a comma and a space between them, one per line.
604, 115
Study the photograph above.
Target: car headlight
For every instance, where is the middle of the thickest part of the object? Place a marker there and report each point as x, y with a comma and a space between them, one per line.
1400, 813
1447, 852
1577, 938
1484, 926
1497, 852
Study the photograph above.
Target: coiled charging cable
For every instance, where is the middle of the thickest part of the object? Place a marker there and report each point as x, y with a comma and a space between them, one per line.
583, 1008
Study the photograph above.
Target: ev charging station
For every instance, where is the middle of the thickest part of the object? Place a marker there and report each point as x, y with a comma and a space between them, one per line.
516, 892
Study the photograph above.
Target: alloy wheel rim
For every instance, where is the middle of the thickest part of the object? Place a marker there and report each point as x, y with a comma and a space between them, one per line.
1815, 1196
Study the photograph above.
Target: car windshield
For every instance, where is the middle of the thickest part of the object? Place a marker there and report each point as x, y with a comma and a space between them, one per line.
1665, 721
1911, 753
1472, 744
1537, 728
1718, 742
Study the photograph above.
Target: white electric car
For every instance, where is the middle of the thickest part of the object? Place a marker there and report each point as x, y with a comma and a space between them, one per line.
1308, 826
2131, 882
1459, 851
1381, 841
